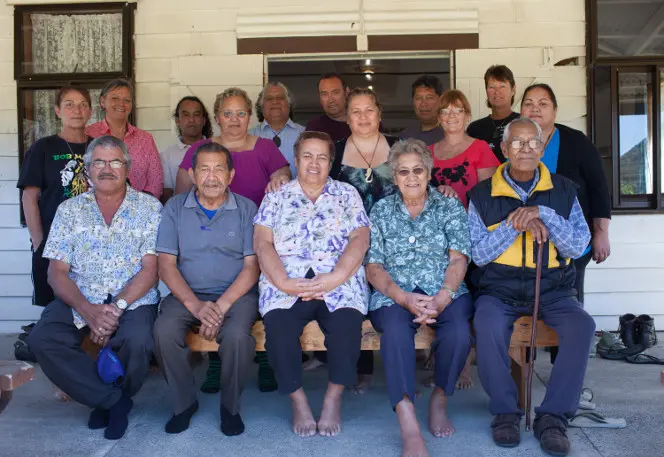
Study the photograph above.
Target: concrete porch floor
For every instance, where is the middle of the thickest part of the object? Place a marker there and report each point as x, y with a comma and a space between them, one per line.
35, 424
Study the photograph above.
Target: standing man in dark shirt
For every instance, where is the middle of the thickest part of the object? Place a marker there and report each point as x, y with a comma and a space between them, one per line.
427, 90
332, 91
500, 89
51, 173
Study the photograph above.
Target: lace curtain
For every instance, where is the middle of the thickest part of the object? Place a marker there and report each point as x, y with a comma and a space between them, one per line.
84, 43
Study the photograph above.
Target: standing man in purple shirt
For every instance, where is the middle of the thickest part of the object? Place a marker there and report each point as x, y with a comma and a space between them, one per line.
332, 92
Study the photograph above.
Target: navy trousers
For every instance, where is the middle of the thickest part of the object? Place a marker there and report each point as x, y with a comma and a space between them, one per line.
56, 342
494, 323
397, 346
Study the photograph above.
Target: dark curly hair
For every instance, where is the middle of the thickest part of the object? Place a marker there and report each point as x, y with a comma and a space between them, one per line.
207, 127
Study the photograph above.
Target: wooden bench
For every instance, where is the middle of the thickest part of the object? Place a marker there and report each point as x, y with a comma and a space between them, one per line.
312, 340
12, 375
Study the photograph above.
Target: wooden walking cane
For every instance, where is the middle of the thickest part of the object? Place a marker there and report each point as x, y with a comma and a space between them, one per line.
533, 334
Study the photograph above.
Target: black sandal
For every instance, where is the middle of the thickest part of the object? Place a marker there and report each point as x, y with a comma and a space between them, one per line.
644, 359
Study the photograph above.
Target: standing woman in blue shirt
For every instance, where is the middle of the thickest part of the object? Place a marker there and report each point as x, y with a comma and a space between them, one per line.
568, 152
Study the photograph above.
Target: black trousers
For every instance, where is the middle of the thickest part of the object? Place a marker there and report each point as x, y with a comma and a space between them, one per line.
43, 294
343, 337
580, 266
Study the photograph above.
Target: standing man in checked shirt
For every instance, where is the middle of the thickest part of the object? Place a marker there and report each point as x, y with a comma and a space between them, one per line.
520, 206
101, 244
274, 109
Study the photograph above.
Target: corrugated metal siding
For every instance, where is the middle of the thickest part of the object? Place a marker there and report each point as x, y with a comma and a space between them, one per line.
357, 19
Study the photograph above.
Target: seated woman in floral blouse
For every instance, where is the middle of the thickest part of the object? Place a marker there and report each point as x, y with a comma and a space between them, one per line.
419, 252
311, 237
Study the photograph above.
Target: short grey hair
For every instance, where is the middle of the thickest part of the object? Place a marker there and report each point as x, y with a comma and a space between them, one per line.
289, 95
410, 146
522, 121
106, 141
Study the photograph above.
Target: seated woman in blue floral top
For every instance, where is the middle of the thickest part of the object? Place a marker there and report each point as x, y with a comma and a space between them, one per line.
419, 252
311, 237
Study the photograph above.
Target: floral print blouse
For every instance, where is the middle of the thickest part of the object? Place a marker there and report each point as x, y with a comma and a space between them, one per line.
313, 235
103, 258
415, 251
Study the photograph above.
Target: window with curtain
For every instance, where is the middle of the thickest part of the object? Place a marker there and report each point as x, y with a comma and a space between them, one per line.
84, 45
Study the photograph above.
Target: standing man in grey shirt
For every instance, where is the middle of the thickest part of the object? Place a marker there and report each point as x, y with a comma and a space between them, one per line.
207, 260
427, 90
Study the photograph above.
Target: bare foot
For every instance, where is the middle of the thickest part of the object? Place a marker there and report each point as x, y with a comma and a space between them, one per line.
312, 364
465, 380
413, 446
303, 420
439, 424
363, 384
411, 436
329, 423
60, 395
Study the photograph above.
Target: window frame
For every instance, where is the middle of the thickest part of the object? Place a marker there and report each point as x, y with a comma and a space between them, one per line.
50, 81
654, 66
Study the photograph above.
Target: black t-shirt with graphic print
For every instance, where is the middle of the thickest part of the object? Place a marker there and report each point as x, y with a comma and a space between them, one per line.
56, 167
491, 131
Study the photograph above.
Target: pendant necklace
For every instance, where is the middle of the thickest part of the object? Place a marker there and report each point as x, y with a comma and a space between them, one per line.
368, 175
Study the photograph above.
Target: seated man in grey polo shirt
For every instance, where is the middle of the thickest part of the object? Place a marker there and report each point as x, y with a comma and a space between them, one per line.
207, 260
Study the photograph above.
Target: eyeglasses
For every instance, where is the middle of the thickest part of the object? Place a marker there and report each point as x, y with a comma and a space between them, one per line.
229, 114
100, 164
448, 111
418, 171
277, 140
533, 143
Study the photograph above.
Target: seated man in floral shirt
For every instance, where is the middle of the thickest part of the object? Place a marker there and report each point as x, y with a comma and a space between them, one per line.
310, 237
103, 270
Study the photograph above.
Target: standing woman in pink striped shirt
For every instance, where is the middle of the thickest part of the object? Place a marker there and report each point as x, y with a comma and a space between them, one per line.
146, 174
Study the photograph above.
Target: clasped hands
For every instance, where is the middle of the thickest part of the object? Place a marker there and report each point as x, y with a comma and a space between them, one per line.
103, 321
425, 308
526, 218
211, 314
312, 289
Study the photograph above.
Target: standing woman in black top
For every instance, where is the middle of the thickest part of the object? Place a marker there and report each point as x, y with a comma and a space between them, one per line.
570, 153
51, 173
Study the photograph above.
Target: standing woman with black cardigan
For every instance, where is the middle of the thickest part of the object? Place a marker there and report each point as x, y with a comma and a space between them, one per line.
571, 154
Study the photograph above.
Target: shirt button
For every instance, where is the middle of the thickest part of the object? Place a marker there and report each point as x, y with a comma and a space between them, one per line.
411, 240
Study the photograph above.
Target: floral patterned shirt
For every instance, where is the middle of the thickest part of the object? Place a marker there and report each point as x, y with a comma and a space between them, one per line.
313, 235
415, 252
145, 173
103, 258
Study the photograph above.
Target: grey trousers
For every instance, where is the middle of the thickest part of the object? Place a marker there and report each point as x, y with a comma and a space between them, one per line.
236, 349
56, 343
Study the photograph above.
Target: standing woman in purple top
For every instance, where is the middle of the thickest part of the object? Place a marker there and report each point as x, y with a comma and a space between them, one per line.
259, 167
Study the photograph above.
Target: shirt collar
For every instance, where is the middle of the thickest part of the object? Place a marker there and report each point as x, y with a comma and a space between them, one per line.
432, 198
519, 190
229, 204
331, 187
184, 146
265, 125
106, 129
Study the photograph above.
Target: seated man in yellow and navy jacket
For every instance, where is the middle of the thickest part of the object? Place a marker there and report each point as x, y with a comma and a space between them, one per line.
521, 207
